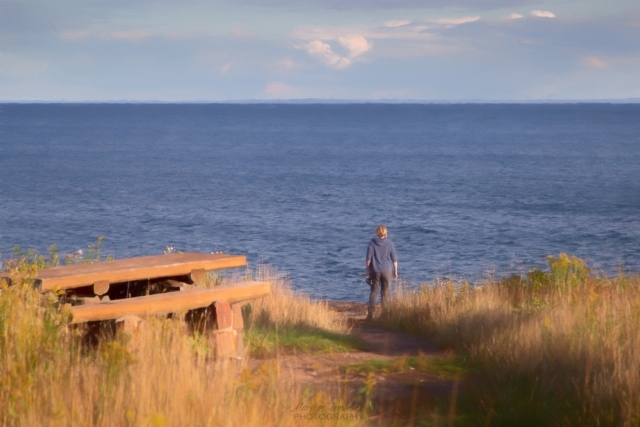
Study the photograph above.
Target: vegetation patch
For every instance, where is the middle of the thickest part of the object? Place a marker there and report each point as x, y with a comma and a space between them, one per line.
553, 346
263, 341
162, 376
444, 367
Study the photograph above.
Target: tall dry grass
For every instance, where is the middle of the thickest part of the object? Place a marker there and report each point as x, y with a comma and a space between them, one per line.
285, 308
556, 347
162, 376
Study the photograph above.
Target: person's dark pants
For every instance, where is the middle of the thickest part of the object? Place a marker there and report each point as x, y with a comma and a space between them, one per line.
380, 281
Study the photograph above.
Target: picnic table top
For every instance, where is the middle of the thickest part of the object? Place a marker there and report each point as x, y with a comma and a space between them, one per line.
130, 269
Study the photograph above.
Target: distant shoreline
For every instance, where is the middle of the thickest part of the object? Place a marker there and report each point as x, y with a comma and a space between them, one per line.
319, 101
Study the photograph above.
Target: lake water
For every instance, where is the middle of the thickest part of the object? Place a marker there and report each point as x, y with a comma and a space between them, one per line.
466, 190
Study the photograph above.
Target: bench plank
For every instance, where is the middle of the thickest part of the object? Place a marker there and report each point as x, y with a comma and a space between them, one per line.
140, 268
170, 302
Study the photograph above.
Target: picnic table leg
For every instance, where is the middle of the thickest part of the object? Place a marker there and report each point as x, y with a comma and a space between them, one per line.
197, 276
227, 332
101, 287
238, 327
130, 324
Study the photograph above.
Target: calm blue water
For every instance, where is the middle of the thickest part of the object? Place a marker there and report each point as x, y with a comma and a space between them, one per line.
464, 189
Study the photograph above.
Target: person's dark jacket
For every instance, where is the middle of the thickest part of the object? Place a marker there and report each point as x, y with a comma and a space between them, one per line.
382, 255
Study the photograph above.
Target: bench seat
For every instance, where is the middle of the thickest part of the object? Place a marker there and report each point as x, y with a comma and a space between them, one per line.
170, 302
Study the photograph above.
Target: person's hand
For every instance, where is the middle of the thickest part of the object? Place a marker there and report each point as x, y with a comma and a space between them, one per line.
396, 274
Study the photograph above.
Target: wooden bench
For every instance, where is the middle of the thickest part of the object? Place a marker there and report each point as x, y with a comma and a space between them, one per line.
222, 302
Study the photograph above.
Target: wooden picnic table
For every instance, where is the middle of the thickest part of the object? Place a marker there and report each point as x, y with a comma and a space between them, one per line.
222, 303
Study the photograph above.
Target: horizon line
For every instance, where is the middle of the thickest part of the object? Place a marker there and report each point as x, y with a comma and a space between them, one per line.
338, 101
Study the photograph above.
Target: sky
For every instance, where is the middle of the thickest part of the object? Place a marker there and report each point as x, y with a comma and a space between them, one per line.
414, 50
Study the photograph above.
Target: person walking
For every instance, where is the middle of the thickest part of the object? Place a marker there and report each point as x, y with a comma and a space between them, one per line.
381, 264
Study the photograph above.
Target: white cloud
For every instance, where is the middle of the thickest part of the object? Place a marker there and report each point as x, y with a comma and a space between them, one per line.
355, 44
327, 55
542, 14
411, 40
396, 24
452, 22
515, 16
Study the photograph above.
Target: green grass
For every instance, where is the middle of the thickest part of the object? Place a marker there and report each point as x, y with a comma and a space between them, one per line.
265, 341
445, 368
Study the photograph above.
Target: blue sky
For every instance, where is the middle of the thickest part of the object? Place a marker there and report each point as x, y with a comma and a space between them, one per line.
191, 50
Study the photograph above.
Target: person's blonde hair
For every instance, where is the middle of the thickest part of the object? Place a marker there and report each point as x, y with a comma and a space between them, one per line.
381, 231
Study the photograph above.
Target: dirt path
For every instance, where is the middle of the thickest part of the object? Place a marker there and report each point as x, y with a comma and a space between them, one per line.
400, 392
382, 342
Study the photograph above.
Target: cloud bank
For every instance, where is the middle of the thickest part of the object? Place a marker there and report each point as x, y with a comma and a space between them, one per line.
229, 49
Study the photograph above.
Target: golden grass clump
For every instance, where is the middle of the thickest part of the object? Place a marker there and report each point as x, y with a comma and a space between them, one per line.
558, 346
284, 308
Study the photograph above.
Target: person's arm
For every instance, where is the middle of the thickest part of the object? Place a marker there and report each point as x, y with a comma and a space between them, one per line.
368, 259
394, 258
